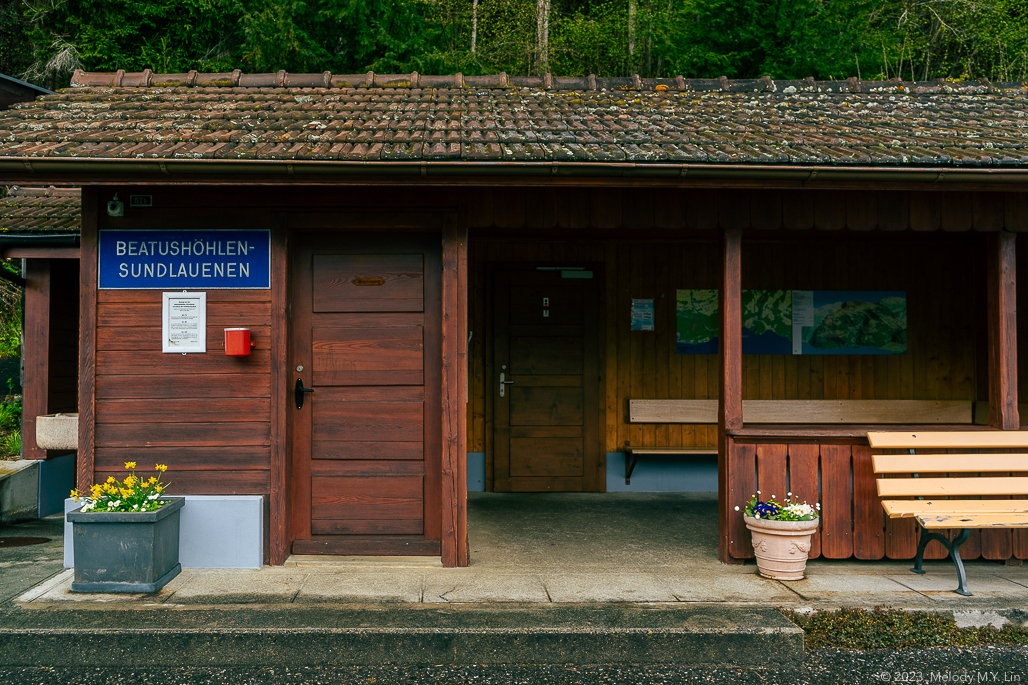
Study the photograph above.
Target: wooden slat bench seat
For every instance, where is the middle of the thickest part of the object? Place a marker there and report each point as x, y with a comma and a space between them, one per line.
962, 510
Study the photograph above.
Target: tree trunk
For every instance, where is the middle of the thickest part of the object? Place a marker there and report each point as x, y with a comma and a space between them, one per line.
542, 11
631, 35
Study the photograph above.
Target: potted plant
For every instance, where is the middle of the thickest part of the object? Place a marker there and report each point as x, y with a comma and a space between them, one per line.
126, 535
781, 535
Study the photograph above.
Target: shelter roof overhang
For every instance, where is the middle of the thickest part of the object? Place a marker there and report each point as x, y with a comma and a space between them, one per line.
412, 129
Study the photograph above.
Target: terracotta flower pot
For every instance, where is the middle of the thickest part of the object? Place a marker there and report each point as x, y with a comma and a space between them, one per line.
781, 547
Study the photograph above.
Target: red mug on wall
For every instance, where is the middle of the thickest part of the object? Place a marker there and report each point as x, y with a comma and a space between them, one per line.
237, 342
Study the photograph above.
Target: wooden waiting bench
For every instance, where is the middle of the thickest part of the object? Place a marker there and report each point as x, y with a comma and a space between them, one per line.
961, 509
867, 412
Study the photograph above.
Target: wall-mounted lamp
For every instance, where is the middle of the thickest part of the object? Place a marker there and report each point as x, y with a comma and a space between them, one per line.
237, 342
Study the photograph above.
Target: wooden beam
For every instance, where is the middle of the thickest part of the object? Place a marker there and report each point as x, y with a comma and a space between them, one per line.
57, 252
280, 532
1002, 284
730, 377
35, 353
454, 394
87, 335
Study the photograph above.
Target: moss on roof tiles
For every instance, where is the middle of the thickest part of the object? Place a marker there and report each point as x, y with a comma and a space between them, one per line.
40, 210
943, 126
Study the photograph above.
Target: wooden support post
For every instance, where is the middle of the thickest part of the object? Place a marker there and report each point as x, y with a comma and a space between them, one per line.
1002, 284
87, 334
280, 533
455, 353
730, 378
35, 354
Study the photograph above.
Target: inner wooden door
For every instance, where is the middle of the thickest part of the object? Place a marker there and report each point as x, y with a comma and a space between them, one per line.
367, 441
545, 382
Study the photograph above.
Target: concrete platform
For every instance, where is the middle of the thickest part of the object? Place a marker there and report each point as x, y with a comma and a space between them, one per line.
588, 579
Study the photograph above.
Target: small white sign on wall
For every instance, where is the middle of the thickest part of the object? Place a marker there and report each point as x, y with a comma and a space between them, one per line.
184, 322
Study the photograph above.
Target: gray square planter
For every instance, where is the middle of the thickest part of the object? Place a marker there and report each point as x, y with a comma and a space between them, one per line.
126, 551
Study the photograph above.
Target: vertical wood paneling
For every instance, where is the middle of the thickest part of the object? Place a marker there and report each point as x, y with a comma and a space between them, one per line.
738, 486
837, 499
868, 515
772, 473
804, 483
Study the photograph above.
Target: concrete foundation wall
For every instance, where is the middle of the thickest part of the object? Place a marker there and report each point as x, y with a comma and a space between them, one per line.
216, 531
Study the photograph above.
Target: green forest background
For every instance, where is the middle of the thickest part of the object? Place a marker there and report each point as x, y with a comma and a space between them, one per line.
42, 41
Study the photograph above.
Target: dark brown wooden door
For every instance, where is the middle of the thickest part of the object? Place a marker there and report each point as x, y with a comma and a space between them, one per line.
367, 441
546, 422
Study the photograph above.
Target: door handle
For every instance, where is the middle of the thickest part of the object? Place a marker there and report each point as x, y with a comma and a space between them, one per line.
299, 391
503, 384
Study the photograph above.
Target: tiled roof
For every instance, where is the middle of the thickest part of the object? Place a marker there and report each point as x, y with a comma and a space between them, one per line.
490, 119
41, 210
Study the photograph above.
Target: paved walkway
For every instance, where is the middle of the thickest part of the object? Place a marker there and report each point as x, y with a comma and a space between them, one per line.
555, 579
574, 548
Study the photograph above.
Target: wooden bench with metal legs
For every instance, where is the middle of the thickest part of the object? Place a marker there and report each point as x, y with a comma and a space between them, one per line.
869, 412
952, 503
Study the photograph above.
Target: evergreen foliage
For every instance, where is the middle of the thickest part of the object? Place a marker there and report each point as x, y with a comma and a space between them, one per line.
44, 40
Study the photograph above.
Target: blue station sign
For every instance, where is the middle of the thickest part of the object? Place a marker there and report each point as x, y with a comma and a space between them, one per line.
177, 260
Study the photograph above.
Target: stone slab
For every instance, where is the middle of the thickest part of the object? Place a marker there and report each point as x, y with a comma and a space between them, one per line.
320, 634
607, 587
365, 587
466, 586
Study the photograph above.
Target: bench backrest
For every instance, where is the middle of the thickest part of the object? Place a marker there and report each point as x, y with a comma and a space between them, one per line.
968, 463
973, 439
869, 412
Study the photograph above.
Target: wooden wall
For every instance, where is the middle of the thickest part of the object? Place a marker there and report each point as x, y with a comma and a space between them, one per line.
207, 416
838, 474
942, 273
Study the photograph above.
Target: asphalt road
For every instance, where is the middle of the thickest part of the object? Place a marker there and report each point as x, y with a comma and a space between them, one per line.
822, 667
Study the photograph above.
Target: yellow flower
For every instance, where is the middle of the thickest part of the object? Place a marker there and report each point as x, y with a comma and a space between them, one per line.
161, 467
130, 480
153, 479
74, 493
130, 464
111, 479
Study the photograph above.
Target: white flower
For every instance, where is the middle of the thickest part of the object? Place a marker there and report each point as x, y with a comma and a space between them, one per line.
737, 508
758, 492
756, 516
789, 494
772, 497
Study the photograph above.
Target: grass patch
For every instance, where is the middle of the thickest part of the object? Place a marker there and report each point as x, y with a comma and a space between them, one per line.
883, 628
10, 427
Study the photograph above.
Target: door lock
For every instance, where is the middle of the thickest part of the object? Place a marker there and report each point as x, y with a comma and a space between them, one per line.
299, 391
503, 383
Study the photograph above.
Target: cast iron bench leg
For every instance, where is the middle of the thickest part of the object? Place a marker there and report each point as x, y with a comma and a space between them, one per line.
953, 547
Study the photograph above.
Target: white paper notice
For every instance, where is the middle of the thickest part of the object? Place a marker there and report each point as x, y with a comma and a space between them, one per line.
184, 322
802, 315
